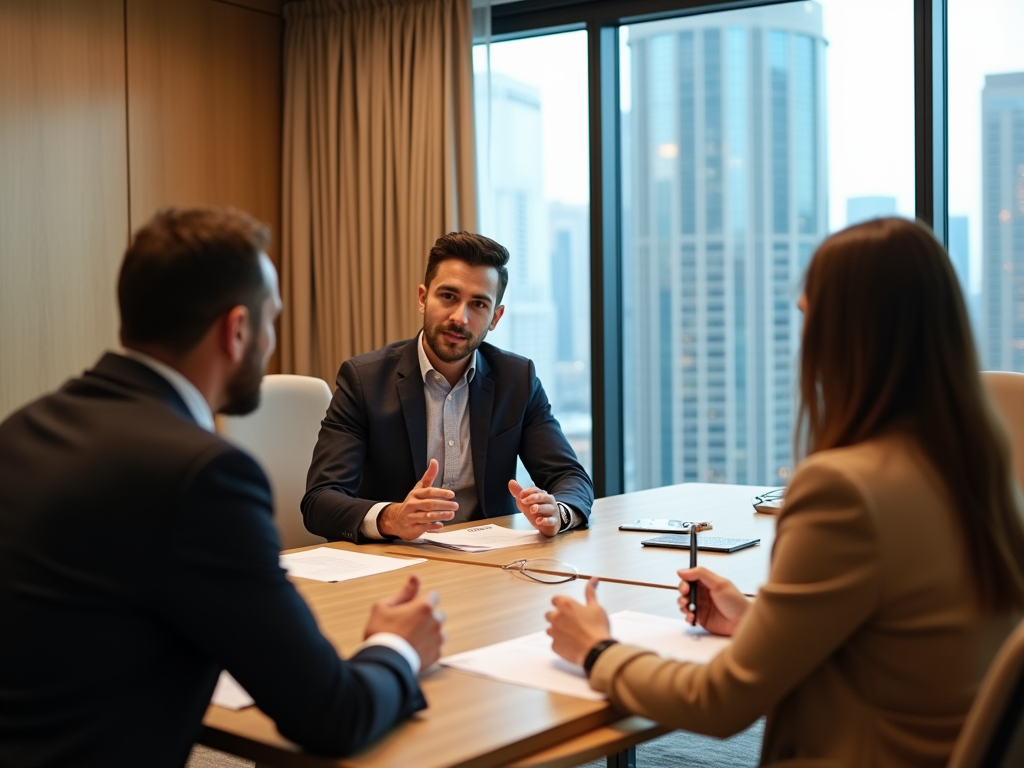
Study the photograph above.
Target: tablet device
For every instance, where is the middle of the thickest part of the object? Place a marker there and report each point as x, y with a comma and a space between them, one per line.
704, 543
660, 525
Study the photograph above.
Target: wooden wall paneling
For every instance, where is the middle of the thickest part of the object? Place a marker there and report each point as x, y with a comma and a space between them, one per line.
204, 109
63, 189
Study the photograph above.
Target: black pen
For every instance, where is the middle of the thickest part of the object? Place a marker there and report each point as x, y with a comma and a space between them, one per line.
693, 564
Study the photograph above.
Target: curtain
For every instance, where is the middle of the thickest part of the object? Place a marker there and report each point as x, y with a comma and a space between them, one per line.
378, 162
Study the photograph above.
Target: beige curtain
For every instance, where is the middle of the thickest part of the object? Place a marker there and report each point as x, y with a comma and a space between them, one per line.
378, 162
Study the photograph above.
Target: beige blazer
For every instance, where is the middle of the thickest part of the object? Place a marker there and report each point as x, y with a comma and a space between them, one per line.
865, 647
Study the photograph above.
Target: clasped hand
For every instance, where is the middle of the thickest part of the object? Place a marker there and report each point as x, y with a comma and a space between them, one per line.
411, 617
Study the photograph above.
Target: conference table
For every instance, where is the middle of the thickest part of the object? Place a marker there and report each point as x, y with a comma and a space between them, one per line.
475, 722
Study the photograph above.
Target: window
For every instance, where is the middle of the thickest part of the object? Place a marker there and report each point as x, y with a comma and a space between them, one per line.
532, 152
986, 173
734, 144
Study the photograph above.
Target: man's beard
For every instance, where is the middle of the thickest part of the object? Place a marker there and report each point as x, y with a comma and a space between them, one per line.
243, 390
447, 352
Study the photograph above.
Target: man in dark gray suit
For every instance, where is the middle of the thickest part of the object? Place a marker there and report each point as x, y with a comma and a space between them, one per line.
138, 556
444, 414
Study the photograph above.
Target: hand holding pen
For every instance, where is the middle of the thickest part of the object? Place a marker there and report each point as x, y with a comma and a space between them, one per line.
692, 605
721, 604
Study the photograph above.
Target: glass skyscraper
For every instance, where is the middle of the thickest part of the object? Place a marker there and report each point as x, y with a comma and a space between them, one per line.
726, 160
1002, 214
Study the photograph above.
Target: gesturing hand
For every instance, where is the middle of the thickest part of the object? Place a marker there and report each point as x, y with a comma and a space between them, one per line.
413, 618
539, 506
720, 605
423, 510
575, 628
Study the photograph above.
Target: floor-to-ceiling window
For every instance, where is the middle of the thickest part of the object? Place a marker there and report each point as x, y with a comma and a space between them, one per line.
720, 148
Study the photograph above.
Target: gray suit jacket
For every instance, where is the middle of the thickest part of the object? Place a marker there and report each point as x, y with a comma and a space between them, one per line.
373, 441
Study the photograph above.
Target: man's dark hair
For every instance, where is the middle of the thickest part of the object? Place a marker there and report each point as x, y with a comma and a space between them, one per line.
186, 268
474, 250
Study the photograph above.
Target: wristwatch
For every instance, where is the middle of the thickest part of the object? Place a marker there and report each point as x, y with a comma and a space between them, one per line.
565, 515
597, 650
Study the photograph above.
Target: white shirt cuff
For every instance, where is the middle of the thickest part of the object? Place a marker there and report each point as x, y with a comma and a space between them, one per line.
396, 643
369, 525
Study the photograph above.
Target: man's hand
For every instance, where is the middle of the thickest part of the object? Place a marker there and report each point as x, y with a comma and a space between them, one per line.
413, 618
424, 509
539, 507
720, 605
575, 628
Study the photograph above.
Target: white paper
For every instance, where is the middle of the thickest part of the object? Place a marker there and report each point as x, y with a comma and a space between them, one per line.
482, 538
529, 660
229, 694
327, 564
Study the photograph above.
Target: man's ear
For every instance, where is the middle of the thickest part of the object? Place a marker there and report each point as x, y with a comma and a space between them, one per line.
422, 293
497, 316
236, 330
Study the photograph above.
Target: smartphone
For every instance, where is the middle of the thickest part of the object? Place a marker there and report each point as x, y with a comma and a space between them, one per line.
661, 525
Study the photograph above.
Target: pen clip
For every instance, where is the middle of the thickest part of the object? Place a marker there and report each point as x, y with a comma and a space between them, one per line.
697, 527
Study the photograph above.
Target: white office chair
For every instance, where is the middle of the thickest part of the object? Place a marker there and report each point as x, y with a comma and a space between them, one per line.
1007, 392
993, 734
280, 435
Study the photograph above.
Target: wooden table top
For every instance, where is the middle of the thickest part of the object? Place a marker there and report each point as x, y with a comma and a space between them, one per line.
604, 551
474, 721
471, 721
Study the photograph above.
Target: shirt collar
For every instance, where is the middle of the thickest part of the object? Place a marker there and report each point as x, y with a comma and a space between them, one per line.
426, 367
194, 401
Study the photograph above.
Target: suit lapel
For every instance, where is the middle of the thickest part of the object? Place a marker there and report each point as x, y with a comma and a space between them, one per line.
410, 393
481, 400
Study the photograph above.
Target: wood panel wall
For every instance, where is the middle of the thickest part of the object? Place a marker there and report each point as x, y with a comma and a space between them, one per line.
109, 110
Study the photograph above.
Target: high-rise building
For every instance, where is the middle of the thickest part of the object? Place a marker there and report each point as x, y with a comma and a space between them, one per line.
1002, 221
513, 212
869, 207
729, 180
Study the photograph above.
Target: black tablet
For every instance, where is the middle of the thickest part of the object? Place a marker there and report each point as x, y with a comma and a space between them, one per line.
704, 543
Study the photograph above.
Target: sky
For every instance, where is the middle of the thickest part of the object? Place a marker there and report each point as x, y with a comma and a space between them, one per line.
869, 69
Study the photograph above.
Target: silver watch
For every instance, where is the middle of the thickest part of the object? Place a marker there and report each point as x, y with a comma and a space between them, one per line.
565, 515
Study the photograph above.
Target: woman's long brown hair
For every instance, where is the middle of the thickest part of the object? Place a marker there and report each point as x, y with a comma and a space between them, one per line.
886, 341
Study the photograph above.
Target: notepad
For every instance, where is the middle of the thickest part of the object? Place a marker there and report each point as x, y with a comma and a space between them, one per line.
529, 660
329, 564
481, 538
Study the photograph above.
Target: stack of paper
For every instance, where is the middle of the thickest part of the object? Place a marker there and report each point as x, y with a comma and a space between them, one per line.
481, 538
229, 694
530, 661
327, 564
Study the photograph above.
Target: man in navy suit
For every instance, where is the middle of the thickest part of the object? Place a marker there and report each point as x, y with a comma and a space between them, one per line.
427, 431
138, 556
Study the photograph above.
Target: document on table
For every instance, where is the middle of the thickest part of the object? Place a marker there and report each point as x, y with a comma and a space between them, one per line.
327, 564
530, 661
229, 694
481, 538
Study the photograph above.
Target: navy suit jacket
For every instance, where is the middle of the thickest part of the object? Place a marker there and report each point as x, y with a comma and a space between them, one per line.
138, 557
373, 440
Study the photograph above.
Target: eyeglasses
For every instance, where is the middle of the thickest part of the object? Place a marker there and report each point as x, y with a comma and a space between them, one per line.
771, 501
544, 571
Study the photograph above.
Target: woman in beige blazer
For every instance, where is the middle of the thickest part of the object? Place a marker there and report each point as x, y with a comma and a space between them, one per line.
897, 566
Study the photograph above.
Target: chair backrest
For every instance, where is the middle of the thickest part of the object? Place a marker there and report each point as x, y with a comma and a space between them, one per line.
280, 435
993, 734
1007, 391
